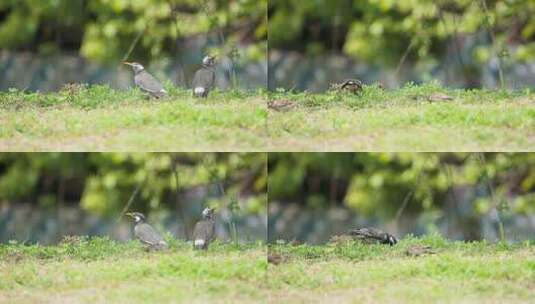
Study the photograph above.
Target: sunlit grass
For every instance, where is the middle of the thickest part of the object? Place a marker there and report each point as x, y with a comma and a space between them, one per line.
82, 118
87, 270
88, 118
354, 272
405, 119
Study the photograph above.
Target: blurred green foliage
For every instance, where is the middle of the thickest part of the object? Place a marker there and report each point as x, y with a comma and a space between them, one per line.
102, 183
104, 30
381, 31
376, 184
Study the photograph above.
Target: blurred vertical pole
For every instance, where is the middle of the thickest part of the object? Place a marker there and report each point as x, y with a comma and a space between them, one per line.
181, 76
335, 30
493, 40
501, 229
451, 203
61, 204
178, 205
232, 225
333, 188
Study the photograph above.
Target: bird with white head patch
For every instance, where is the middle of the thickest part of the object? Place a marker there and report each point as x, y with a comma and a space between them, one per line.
204, 230
204, 78
145, 81
146, 233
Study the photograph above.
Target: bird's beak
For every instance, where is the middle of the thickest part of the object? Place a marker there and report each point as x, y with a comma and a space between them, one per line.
129, 214
127, 63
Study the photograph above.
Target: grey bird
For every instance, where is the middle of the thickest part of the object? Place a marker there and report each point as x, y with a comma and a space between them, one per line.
145, 81
204, 79
146, 234
204, 231
370, 235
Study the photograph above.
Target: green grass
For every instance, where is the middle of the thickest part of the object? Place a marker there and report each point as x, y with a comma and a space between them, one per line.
405, 120
88, 270
357, 273
90, 118
97, 118
83, 270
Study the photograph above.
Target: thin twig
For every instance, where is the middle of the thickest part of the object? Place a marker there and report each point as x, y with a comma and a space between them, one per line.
404, 57
134, 43
406, 200
130, 200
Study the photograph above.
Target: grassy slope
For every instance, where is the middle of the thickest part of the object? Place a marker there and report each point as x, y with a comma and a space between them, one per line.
98, 118
99, 270
404, 120
355, 273
102, 271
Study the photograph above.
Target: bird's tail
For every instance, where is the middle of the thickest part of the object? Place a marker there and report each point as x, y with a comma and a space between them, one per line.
162, 245
161, 94
199, 244
199, 92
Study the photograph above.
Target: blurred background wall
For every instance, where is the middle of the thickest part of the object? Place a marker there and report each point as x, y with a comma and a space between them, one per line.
46, 196
46, 44
462, 43
463, 196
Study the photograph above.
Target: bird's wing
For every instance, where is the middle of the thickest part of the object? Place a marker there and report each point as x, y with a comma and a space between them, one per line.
148, 83
368, 232
203, 78
147, 234
204, 230
197, 79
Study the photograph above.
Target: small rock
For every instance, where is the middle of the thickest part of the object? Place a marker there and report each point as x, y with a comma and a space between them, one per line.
276, 259
419, 250
281, 105
380, 85
436, 97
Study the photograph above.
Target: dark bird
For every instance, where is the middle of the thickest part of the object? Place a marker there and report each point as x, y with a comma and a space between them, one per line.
204, 78
349, 85
145, 81
204, 231
370, 235
146, 234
